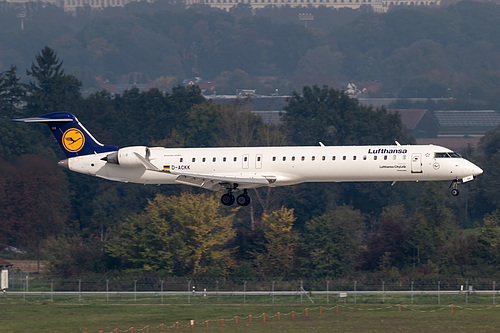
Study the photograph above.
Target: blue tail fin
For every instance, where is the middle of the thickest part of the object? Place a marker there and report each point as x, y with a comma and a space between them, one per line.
73, 138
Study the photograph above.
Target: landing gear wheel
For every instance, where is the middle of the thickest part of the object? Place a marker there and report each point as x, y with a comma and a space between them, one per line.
227, 199
454, 189
243, 199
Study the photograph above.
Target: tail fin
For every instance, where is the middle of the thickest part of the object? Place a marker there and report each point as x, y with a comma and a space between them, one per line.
73, 138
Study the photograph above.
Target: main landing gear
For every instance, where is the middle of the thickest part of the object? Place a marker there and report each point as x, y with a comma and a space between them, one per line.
454, 187
228, 199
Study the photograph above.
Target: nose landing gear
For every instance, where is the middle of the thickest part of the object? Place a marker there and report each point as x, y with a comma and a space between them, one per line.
454, 187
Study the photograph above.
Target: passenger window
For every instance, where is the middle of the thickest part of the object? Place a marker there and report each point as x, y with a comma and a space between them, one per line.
181, 159
313, 158
284, 158
293, 158
302, 158
223, 159
214, 159
404, 157
364, 157
333, 158
203, 159
235, 159
274, 158
393, 157
193, 159
344, 158
375, 157
385, 157
245, 158
258, 158
323, 158
354, 158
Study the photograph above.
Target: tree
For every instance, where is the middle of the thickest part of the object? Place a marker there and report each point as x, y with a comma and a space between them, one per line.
427, 57
386, 244
112, 203
16, 140
145, 118
203, 122
12, 93
71, 256
239, 126
52, 90
276, 258
489, 182
181, 235
433, 225
7, 171
331, 116
474, 254
332, 243
489, 239
33, 203
319, 66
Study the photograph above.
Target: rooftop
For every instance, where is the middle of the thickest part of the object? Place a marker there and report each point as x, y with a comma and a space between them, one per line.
4, 262
481, 118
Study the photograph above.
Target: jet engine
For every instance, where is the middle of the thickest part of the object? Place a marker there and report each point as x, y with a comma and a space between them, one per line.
127, 157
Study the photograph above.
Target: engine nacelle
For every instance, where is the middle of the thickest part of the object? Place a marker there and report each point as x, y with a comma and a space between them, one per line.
126, 157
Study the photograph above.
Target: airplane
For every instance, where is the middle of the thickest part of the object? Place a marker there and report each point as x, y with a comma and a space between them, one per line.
242, 168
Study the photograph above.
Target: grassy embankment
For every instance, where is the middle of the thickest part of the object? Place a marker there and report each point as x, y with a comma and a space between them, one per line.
93, 314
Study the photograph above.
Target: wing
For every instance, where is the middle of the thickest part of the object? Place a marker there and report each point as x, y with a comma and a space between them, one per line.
212, 182
217, 182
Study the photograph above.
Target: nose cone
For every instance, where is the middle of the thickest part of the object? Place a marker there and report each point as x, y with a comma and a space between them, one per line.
64, 164
476, 170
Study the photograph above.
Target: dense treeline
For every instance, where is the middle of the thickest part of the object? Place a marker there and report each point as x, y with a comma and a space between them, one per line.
86, 225
451, 51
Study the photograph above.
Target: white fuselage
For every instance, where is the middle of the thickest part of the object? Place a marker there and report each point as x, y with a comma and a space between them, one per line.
281, 165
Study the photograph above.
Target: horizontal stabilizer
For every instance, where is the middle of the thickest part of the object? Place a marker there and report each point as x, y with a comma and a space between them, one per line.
42, 119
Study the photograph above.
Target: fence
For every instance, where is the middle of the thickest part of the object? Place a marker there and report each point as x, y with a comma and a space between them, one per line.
175, 290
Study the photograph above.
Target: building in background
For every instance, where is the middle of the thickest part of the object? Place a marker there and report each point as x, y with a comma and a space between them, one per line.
72, 5
378, 6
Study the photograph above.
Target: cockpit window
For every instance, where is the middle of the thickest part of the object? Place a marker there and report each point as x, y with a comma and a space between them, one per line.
447, 155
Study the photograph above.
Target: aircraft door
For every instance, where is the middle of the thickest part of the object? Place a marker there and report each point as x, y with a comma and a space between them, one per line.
416, 163
258, 161
245, 161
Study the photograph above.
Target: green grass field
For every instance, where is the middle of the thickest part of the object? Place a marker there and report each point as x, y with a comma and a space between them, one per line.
92, 314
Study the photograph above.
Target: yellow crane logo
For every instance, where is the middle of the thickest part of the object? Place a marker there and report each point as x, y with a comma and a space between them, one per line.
73, 140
